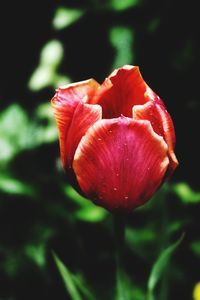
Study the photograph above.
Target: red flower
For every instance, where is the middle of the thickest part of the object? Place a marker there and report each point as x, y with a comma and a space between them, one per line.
117, 137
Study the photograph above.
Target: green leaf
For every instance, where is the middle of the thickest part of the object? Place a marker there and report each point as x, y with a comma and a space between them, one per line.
36, 253
46, 73
67, 279
65, 17
186, 194
73, 195
91, 214
123, 4
159, 267
18, 132
83, 288
45, 133
195, 246
13, 131
41, 78
136, 293
121, 39
87, 211
175, 226
52, 54
60, 80
13, 186
139, 240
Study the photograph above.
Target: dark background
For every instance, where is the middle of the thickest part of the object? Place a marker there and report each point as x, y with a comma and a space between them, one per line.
38, 210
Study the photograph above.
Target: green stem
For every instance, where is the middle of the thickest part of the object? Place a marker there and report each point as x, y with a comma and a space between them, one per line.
119, 230
165, 241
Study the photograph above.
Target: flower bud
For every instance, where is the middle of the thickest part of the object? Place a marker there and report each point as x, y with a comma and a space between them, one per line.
117, 138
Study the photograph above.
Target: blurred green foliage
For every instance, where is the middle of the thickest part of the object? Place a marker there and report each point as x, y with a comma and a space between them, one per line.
39, 211
121, 39
186, 194
122, 5
46, 73
160, 267
86, 210
66, 16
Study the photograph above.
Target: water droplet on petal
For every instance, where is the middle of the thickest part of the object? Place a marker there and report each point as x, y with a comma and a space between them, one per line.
117, 174
126, 197
99, 139
115, 189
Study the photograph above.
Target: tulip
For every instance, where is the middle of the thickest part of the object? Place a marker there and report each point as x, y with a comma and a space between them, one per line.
117, 138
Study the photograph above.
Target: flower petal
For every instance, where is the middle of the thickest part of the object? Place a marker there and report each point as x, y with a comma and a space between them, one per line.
120, 163
85, 115
73, 117
162, 124
124, 88
75, 92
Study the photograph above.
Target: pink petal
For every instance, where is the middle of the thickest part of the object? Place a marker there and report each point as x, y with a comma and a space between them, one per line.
73, 117
76, 92
84, 116
162, 124
120, 163
124, 88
